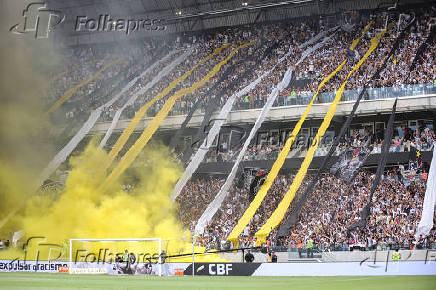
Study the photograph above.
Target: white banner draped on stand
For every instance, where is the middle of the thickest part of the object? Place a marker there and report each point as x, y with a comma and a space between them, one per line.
426, 223
164, 72
221, 195
62, 155
317, 37
204, 148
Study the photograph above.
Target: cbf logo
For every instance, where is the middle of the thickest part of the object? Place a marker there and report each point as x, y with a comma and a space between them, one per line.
38, 20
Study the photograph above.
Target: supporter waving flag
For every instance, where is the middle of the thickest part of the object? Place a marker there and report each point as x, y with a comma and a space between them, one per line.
349, 163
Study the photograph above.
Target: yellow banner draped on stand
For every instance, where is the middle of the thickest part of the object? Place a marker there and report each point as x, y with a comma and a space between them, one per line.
281, 209
260, 196
59, 75
121, 141
71, 91
133, 152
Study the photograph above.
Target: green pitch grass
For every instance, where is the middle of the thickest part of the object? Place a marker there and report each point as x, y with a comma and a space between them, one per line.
65, 281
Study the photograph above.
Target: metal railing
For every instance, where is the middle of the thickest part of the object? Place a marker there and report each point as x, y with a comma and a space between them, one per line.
303, 98
350, 247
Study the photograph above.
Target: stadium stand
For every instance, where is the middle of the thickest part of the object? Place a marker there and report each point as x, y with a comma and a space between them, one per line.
395, 80
310, 72
254, 133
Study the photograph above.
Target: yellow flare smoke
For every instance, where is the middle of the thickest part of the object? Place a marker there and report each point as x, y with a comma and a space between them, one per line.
84, 211
24, 126
79, 210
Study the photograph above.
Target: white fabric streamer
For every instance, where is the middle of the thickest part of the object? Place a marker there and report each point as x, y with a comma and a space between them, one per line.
212, 208
201, 152
204, 148
62, 155
426, 223
317, 37
165, 71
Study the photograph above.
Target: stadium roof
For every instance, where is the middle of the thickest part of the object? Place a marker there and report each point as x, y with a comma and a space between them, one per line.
192, 15
169, 7
200, 7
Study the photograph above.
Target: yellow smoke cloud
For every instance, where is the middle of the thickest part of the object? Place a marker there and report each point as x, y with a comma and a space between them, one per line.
81, 210
24, 129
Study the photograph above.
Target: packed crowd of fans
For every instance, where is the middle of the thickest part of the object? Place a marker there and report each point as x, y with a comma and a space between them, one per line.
107, 67
397, 71
421, 138
334, 207
195, 196
353, 197
327, 216
396, 74
136, 57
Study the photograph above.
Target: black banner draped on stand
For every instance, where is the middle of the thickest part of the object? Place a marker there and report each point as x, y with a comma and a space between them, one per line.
380, 169
293, 216
423, 47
